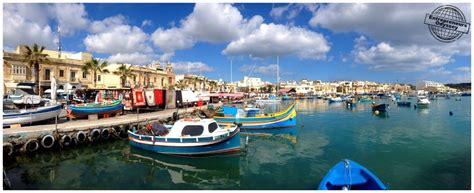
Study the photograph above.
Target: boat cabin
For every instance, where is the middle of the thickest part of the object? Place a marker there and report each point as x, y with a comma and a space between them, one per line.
191, 127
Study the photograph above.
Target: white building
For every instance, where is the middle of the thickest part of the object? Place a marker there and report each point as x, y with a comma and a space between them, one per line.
251, 83
430, 86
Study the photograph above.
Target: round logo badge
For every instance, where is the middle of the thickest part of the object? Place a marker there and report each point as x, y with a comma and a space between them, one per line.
447, 23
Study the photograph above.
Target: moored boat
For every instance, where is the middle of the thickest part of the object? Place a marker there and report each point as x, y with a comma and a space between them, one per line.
96, 108
349, 175
27, 116
188, 137
379, 107
403, 103
335, 99
252, 121
422, 101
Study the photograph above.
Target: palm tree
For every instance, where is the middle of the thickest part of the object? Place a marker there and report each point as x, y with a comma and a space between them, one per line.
181, 84
123, 71
34, 56
95, 67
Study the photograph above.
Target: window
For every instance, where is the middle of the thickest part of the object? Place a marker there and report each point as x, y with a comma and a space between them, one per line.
212, 127
154, 80
47, 73
73, 75
192, 130
84, 75
98, 77
18, 69
61, 73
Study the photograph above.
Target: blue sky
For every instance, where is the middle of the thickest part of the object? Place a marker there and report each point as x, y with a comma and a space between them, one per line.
326, 42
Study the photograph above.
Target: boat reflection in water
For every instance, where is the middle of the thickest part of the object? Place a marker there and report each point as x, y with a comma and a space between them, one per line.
288, 134
212, 172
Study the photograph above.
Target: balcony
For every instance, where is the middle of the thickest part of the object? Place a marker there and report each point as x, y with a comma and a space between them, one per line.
73, 79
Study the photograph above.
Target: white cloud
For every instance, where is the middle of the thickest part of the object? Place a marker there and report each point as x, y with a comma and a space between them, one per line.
70, 16
464, 69
113, 36
191, 67
146, 22
384, 56
439, 72
279, 40
226, 24
21, 25
169, 40
291, 10
261, 69
132, 58
277, 12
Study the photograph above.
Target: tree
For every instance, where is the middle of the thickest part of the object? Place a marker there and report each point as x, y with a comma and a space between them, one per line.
123, 71
34, 56
95, 66
181, 84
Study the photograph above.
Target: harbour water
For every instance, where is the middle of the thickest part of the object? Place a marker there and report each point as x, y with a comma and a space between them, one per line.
407, 148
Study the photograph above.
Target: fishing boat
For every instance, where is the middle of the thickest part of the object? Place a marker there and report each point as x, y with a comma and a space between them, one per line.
26, 116
379, 107
270, 100
365, 99
349, 175
253, 121
422, 101
404, 103
96, 108
285, 97
188, 137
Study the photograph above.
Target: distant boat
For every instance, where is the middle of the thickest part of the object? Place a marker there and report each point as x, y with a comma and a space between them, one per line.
22, 116
379, 107
285, 97
188, 137
365, 99
403, 103
336, 99
349, 175
96, 108
422, 100
253, 121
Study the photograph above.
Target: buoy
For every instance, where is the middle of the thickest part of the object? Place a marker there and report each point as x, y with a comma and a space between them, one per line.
7, 148
450, 113
95, 134
105, 133
80, 137
31, 145
66, 140
376, 112
47, 141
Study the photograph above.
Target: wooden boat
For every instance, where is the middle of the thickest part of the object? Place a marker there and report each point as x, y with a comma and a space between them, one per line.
188, 137
336, 99
27, 116
257, 121
365, 99
349, 175
403, 103
379, 107
96, 108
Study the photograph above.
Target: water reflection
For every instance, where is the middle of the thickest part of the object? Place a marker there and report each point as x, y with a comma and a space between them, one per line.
289, 134
214, 172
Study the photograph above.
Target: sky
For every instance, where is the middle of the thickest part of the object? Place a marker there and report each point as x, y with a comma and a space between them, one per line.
328, 42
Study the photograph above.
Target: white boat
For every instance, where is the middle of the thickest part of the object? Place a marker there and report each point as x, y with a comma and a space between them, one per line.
24, 94
336, 99
422, 100
26, 116
187, 136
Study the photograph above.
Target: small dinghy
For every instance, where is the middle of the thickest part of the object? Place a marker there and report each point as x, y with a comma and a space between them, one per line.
187, 137
404, 103
349, 175
27, 116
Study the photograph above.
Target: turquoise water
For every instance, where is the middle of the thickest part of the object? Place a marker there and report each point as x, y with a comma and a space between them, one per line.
406, 148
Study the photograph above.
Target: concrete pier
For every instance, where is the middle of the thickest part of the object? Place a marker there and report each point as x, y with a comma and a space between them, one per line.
21, 135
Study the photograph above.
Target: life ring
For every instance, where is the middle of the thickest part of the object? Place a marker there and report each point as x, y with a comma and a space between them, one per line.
105, 133
95, 134
7, 148
80, 137
31, 145
65, 140
47, 141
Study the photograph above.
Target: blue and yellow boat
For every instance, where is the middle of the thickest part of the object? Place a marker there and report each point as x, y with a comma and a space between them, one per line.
252, 121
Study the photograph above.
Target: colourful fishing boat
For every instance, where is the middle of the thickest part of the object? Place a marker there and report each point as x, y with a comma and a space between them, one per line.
188, 137
379, 107
23, 116
349, 175
253, 122
96, 108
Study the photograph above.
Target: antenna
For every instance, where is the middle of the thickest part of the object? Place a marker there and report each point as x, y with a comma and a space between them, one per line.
59, 41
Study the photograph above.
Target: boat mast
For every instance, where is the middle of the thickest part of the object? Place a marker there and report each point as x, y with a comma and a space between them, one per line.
278, 71
59, 41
